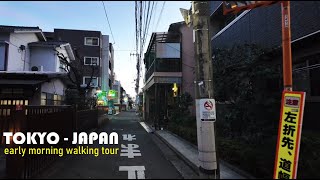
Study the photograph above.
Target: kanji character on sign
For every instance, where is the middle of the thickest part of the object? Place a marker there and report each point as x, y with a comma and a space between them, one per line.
289, 130
131, 151
290, 117
128, 137
287, 142
283, 175
285, 164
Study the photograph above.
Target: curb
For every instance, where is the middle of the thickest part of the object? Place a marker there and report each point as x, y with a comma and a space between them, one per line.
193, 166
237, 170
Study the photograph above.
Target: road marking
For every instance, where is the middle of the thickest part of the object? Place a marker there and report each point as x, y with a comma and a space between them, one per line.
131, 151
146, 127
134, 172
128, 137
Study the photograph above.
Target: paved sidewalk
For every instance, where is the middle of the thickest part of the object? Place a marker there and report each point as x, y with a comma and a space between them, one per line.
189, 153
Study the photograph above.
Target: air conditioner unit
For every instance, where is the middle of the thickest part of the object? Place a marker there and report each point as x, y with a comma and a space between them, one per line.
37, 68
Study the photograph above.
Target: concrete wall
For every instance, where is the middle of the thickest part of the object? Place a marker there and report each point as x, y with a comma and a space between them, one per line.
46, 57
43, 56
55, 86
105, 63
64, 52
20, 61
188, 60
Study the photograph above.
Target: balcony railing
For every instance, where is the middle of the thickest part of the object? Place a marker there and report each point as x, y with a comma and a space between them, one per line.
163, 65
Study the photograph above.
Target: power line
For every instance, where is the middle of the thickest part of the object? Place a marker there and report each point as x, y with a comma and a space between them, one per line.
164, 2
148, 25
105, 11
155, 12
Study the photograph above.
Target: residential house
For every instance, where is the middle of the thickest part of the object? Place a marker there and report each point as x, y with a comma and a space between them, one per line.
29, 72
169, 64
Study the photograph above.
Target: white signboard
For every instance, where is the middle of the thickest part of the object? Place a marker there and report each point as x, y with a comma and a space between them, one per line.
207, 110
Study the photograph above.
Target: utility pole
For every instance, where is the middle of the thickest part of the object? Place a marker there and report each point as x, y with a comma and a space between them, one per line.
138, 71
205, 104
286, 46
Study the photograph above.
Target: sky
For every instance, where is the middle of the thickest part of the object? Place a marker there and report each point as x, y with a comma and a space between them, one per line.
89, 15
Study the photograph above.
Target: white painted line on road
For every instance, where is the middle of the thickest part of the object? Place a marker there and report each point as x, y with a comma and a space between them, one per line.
133, 170
131, 151
128, 137
146, 127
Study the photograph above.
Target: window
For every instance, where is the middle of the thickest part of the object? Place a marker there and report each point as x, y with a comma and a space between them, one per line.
94, 81
91, 41
57, 100
14, 102
91, 61
3, 57
51, 99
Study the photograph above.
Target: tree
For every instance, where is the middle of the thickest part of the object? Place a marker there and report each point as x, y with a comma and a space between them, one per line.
245, 78
77, 94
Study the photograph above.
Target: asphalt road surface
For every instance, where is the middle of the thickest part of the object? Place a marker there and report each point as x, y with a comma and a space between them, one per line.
144, 158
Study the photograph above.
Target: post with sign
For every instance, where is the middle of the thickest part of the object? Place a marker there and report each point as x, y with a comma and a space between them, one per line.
290, 126
205, 104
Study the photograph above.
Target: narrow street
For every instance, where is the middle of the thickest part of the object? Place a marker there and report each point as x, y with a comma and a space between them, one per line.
152, 159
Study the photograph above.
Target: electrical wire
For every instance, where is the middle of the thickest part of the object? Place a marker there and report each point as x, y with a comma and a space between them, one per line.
164, 2
105, 11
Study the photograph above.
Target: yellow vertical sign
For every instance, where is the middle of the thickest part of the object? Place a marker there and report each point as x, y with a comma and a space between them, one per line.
175, 90
290, 125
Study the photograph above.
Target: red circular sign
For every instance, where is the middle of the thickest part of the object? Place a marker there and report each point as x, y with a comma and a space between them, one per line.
208, 105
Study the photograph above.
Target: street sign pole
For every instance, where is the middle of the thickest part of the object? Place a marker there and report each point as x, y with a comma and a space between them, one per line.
286, 46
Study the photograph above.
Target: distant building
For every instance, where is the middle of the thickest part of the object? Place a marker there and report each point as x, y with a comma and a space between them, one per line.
117, 88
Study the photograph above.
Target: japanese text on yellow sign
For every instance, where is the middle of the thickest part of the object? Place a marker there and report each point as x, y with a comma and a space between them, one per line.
290, 126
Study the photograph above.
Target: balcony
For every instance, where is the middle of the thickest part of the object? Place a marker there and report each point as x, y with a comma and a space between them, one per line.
163, 56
